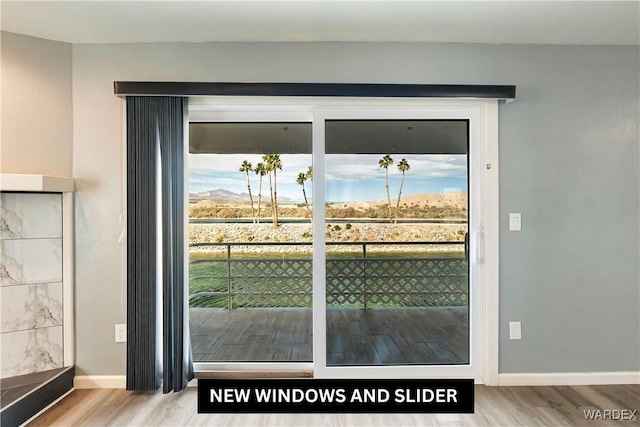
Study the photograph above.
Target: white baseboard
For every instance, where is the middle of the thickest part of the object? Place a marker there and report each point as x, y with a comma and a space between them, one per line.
569, 378
537, 379
107, 381
99, 381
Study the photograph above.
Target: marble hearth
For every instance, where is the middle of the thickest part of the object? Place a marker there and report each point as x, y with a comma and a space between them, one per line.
36, 293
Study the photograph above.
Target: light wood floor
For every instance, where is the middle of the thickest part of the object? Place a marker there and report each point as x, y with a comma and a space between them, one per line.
494, 406
378, 336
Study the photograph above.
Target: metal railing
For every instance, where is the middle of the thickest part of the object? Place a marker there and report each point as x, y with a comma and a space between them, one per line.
353, 276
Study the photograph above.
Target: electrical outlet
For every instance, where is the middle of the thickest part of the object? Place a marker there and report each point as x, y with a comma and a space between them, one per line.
515, 331
121, 333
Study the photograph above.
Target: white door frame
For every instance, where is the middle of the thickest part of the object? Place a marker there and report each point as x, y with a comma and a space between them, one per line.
483, 221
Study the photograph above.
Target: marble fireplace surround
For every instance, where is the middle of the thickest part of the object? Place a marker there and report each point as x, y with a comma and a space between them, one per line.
36, 281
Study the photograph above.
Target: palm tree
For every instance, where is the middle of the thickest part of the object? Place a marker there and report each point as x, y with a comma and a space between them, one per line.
272, 164
247, 167
268, 167
385, 162
403, 166
261, 171
302, 177
276, 164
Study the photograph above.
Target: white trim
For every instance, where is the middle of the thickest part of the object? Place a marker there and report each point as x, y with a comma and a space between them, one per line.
319, 260
569, 378
46, 408
81, 382
32, 182
68, 307
475, 112
484, 132
99, 381
306, 103
491, 203
255, 114
253, 366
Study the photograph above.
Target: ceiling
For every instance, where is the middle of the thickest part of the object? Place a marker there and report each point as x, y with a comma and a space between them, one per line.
540, 22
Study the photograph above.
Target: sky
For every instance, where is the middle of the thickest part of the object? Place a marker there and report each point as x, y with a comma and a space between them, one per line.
355, 177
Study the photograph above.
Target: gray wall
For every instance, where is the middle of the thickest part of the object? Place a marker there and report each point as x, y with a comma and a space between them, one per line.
569, 156
37, 114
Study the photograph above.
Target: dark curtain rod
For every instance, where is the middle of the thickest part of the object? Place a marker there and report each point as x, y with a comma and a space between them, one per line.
366, 90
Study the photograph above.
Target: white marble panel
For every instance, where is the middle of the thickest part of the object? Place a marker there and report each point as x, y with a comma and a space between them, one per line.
30, 215
30, 261
34, 350
30, 306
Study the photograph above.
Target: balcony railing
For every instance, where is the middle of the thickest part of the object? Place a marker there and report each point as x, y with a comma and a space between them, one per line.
356, 275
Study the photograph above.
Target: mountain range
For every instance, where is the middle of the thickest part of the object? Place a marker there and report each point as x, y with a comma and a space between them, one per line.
222, 195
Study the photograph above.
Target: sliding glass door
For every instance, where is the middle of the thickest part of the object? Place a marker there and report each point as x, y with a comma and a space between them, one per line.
343, 240
250, 244
396, 216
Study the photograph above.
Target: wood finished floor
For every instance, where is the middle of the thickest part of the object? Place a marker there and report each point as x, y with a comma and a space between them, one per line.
416, 335
494, 406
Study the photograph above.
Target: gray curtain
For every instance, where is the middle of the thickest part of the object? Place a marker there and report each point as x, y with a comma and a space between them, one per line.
155, 245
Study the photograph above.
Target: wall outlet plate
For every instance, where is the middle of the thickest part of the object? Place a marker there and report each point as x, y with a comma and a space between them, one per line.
121, 333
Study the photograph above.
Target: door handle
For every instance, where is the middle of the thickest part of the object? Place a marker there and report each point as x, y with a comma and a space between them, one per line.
466, 246
479, 247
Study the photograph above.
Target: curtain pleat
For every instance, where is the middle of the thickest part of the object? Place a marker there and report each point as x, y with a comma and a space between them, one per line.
156, 123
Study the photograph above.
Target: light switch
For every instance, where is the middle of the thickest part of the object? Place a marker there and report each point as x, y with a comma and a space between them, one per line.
515, 331
515, 222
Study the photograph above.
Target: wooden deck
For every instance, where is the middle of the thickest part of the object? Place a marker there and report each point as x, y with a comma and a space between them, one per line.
379, 336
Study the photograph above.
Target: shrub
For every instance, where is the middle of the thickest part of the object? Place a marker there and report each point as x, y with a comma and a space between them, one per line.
348, 226
337, 228
227, 213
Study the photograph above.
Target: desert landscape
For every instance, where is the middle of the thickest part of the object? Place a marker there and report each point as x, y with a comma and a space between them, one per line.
224, 204
229, 218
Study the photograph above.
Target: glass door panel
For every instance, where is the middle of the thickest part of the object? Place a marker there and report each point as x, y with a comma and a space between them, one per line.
396, 221
250, 241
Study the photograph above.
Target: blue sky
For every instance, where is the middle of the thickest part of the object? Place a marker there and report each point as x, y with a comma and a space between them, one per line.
354, 177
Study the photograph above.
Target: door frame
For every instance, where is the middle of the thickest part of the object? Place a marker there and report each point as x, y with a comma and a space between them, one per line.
483, 119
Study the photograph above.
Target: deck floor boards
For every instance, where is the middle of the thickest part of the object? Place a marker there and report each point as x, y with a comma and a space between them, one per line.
388, 336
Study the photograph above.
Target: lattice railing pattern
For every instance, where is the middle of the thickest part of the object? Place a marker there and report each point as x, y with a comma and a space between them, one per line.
397, 282
371, 282
271, 282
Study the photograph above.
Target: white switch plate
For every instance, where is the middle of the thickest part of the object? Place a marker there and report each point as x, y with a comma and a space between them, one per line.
515, 331
515, 222
121, 333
